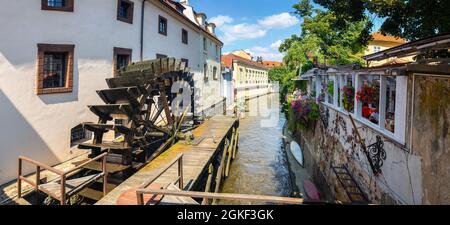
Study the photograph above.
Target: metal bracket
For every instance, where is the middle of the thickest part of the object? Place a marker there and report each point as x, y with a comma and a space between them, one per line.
376, 155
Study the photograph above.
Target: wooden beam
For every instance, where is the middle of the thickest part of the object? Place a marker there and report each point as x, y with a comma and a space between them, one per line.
223, 196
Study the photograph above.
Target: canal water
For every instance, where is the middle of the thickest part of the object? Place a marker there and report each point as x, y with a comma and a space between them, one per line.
261, 166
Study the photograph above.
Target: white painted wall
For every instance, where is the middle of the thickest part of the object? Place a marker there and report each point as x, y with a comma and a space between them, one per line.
39, 126
210, 89
245, 84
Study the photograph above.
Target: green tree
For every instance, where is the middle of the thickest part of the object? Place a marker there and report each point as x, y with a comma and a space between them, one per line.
410, 19
321, 38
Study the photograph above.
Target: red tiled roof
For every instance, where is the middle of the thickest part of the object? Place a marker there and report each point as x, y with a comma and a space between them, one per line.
377, 36
272, 64
227, 61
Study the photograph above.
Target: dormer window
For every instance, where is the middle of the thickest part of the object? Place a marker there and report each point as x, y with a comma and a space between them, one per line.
57, 5
180, 8
376, 49
125, 10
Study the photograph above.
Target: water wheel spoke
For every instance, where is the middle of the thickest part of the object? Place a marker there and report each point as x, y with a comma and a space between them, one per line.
157, 115
165, 103
178, 127
162, 148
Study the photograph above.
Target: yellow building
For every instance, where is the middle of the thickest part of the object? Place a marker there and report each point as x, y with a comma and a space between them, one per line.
249, 78
382, 42
243, 54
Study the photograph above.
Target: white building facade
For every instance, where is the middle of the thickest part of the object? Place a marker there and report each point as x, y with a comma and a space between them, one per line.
250, 79
54, 55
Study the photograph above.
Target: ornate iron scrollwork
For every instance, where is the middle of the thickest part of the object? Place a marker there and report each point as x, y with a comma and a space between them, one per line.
376, 155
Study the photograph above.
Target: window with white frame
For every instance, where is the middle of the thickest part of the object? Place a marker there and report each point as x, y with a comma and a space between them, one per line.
329, 91
322, 88
346, 95
368, 96
376, 100
390, 97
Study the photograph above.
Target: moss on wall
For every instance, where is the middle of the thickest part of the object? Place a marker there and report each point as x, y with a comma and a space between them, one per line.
434, 99
431, 136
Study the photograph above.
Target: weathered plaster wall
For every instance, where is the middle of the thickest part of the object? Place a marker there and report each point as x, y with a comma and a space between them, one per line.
39, 126
431, 135
334, 143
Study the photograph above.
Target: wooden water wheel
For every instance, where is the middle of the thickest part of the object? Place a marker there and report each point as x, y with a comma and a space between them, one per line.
138, 109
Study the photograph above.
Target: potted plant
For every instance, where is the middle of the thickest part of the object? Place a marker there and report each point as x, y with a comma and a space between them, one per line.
305, 112
348, 94
368, 94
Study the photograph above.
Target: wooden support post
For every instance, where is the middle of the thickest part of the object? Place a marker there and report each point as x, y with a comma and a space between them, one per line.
208, 183
230, 153
19, 181
140, 198
224, 105
236, 142
38, 181
180, 173
105, 175
220, 170
63, 189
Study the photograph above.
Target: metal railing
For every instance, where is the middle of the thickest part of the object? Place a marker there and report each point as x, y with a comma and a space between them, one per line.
63, 176
179, 180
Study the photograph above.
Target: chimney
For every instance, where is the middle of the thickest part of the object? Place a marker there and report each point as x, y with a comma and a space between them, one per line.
211, 28
201, 18
184, 2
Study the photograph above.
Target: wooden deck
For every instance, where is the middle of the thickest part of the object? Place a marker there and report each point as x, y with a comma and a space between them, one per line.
8, 192
196, 159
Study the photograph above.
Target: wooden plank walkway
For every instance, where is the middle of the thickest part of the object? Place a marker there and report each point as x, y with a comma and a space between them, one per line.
196, 159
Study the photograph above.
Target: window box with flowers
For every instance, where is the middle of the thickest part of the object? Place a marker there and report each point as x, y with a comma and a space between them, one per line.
368, 95
348, 95
303, 114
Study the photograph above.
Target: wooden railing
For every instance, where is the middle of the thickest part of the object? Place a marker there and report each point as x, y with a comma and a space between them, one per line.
224, 196
62, 174
204, 195
179, 180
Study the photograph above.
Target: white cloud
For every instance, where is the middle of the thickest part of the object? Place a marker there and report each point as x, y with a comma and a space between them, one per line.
259, 49
265, 53
279, 21
243, 31
276, 45
220, 20
231, 31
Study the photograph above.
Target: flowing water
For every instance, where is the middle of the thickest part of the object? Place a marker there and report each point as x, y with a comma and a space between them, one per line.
261, 165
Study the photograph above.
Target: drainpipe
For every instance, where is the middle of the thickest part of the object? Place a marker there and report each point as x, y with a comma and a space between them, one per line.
142, 31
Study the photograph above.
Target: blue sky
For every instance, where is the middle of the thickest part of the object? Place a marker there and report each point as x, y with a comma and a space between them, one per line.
254, 25
257, 26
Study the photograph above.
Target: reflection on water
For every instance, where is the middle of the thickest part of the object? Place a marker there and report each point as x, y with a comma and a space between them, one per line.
260, 166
